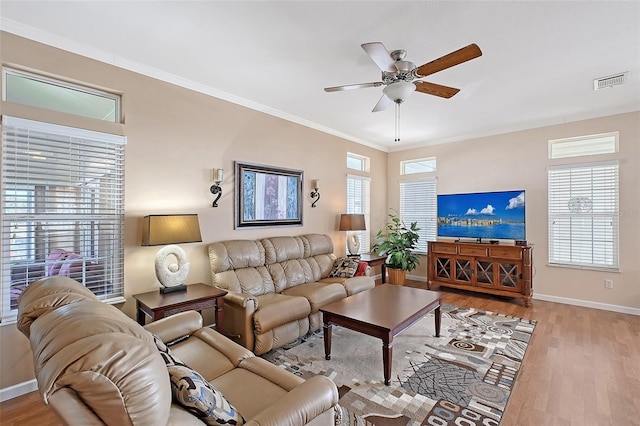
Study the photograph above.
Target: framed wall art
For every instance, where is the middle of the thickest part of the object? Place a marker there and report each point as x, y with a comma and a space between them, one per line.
267, 196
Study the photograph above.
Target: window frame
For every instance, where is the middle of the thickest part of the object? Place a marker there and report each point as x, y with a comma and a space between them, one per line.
605, 193
79, 221
409, 212
361, 206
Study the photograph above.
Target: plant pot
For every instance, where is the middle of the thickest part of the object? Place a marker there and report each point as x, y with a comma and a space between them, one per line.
396, 276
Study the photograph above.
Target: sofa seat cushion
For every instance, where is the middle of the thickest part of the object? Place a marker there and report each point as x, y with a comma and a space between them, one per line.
202, 357
353, 285
248, 392
192, 391
275, 309
318, 294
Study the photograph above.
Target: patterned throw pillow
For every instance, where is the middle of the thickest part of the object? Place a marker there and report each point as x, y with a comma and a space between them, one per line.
195, 393
345, 267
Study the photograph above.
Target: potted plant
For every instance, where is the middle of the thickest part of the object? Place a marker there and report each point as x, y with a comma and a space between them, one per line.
397, 242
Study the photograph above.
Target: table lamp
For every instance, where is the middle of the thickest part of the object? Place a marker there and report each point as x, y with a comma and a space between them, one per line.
352, 223
171, 229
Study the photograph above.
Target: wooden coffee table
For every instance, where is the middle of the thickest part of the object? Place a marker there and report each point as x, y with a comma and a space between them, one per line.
383, 312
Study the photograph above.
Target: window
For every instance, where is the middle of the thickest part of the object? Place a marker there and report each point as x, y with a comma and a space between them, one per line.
583, 215
357, 162
358, 201
422, 165
63, 208
584, 145
42, 92
418, 204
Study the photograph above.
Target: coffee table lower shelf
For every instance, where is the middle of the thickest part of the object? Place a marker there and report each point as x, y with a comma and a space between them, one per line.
383, 312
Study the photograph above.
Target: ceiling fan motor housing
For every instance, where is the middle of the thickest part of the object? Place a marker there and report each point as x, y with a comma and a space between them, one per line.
404, 73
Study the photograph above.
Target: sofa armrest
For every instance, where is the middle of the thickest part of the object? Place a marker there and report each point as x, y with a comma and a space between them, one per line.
176, 326
238, 318
241, 299
301, 405
233, 351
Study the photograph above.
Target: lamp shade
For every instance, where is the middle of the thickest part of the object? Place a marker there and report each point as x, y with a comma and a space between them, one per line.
399, 91
352, 222
170, 229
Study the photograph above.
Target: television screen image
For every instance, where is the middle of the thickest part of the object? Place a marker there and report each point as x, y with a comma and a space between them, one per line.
482, 215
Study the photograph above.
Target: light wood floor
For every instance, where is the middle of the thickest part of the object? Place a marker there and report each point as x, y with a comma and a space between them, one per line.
582, 368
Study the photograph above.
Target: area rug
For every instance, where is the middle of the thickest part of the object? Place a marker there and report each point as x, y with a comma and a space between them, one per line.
464, 377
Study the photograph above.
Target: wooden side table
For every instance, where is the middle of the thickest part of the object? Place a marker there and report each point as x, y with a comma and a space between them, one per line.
197, 297
373, 259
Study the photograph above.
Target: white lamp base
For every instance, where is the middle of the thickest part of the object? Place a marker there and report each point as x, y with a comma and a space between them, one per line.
353, 243
172, 275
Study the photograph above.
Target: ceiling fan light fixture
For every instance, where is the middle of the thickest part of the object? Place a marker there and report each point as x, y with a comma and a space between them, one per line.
399, 91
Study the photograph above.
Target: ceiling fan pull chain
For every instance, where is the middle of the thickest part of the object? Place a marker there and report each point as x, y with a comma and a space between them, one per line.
397, 139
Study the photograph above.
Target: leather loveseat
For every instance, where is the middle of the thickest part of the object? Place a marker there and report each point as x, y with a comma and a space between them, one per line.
94, 365
276, 287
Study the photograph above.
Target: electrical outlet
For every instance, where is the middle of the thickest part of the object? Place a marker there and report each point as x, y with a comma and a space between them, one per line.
608, 283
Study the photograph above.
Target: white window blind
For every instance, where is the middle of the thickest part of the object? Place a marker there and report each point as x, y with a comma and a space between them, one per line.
62, 208
359, 201
418, 204
583, 215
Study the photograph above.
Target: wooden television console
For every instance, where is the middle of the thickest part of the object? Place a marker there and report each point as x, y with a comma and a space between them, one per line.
488, 268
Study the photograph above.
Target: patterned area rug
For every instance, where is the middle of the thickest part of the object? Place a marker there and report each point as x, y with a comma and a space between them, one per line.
464, 377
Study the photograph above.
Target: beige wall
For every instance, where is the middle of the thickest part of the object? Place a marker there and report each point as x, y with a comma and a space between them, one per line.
519, 161
175, 137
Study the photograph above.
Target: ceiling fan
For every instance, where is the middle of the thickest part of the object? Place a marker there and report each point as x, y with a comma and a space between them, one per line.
400, 77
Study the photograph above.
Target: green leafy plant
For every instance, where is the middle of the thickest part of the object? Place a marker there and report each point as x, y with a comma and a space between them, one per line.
397, 242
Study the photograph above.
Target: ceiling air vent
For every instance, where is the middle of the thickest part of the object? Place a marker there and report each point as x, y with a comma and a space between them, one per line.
610, 81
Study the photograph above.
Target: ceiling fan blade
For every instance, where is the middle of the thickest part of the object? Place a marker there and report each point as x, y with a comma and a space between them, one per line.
353, 86
382, 104
435, 89
378, 53
465, 54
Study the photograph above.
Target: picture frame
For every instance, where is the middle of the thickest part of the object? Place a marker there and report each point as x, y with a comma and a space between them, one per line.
267, 196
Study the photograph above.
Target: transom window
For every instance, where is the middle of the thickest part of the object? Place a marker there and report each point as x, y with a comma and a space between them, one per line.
38, 91
606, 143
357, 162
421, 165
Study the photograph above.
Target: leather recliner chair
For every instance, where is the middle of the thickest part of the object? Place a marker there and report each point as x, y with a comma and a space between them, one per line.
95, 365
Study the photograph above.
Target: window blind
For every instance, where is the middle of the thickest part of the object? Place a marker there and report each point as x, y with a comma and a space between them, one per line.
418, 204
359, 201
583, 215
62, 208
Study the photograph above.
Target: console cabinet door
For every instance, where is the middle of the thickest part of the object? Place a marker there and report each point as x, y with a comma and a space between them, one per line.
443, 268
499, 274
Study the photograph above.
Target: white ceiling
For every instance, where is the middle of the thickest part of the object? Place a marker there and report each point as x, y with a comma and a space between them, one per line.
538, 65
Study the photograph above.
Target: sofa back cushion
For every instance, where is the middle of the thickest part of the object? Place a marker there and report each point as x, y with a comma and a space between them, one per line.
239, 266
292, 261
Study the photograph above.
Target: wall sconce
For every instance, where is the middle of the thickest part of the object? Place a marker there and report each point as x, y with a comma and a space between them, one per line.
315, 194
215, 188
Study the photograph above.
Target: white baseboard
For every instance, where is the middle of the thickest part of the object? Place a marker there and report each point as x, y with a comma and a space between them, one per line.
18, 390
588, 304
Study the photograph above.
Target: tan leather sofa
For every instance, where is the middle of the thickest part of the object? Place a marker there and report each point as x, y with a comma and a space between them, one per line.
94, 365
276, 287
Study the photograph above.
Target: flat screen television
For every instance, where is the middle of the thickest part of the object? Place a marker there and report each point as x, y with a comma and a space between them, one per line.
482, 215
